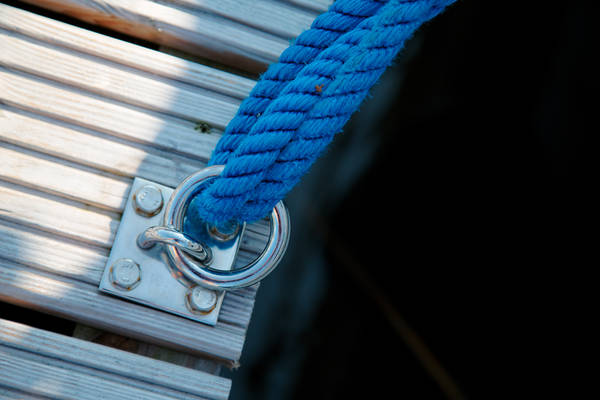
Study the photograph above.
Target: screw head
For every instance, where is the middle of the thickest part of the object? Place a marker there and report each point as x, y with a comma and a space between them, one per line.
148, 200
125, 274
225, 232
201, 300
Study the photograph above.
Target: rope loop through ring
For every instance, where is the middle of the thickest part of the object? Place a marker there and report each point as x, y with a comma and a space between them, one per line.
205, 275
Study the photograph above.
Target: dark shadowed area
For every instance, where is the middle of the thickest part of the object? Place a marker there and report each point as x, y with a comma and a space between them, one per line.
428, 240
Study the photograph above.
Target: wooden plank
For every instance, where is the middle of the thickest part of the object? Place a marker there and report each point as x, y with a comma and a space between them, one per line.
86, 147
53, 378
204, 34
274, 17
83, 303
140, 371
157, 63
115, 81
317, 5
107, 116
31, 170
70, 220
52, 253
12, 394
57, 217
57, 256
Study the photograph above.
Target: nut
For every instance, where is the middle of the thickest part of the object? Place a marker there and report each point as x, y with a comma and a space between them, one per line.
148, 200
125, 274
201, 300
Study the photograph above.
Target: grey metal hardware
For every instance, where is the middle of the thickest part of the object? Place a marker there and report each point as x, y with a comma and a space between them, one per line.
160, 285
153, 262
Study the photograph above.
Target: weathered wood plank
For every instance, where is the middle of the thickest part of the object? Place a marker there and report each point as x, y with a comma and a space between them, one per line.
52, 253
141, 58
204, 34
70, 219
59, 380
57, 256
57, 217
107, 116
317, 5
12, 394
83, 303
31, 170
115, 81
274, 17
86, 147
141, 371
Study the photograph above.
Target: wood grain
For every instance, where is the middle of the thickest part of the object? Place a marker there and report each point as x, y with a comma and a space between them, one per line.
124, 53
58, 217
317, 5
115, 81
89, 148
31, 170
52, 253
84, 303
270, 16
138, 371
54, 379
104, 115
204, 34
13, 394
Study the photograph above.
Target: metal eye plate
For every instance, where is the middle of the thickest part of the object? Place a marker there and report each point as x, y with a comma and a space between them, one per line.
160, 286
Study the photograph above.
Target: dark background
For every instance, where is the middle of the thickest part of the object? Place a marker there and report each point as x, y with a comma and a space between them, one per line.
438, 247
441, 240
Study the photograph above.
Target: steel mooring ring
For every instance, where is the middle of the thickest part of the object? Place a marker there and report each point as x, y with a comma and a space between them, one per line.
204, 275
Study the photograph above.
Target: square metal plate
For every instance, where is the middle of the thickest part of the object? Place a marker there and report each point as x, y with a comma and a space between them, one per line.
158, 286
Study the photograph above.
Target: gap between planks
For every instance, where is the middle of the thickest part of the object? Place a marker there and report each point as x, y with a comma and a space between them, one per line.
71, 260
125, 53
137, 370
85, 304
104, 115
115, 81
204, 34
63, 381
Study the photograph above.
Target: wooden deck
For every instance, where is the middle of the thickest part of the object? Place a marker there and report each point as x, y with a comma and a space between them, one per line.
81, 114
49, 365
247, 35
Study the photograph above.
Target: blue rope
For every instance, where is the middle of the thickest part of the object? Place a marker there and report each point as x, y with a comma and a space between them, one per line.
302, 101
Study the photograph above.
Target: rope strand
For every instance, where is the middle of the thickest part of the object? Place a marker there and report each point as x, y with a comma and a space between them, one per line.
302, 102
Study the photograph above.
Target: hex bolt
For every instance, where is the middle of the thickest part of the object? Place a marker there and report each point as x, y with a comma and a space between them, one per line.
125, 274
201, 300
148, 200
224, 233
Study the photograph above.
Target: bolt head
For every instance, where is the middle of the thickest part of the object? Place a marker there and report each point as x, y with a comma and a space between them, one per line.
225, 232
148, 200
201, 300
125, 274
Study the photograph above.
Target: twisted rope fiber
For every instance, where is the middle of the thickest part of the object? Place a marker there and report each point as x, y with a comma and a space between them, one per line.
286, 122
343, 15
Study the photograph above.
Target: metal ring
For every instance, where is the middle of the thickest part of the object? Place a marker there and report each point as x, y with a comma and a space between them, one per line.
212, 278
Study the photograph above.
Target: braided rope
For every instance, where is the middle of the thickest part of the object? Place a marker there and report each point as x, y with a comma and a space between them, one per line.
302, 101
343, 15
